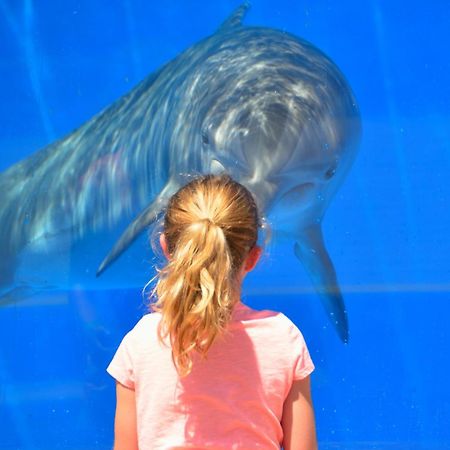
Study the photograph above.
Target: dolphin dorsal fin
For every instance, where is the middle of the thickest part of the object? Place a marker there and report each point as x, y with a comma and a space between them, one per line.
235, 18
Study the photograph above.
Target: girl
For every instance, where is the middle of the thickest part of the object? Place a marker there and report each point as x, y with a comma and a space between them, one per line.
205, 370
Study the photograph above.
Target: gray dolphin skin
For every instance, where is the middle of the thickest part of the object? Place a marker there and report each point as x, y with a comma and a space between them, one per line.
258, 103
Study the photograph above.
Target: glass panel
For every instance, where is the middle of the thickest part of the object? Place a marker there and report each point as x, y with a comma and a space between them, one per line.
385, 220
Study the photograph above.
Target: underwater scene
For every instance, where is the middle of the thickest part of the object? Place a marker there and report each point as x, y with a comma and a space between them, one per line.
334, 114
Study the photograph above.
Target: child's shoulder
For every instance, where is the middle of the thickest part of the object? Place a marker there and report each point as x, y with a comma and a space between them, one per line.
146, 323
276, 319
284, 322
286, 327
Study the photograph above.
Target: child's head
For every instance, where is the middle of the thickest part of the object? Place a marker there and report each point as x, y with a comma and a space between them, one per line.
210, 235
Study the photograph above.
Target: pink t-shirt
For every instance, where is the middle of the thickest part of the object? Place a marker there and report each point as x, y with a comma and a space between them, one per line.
233, 399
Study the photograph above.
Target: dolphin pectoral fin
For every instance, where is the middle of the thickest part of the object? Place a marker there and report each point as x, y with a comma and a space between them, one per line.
236, 17
142, 221
310, 250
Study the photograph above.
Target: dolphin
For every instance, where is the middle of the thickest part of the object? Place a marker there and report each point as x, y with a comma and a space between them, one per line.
258, 103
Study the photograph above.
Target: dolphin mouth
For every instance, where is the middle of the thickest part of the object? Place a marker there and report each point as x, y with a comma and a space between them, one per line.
299, 193
296, 199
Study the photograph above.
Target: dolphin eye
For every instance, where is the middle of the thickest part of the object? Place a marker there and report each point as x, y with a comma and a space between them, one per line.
330, 173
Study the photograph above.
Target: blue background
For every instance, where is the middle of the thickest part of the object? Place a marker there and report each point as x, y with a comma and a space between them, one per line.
386, 230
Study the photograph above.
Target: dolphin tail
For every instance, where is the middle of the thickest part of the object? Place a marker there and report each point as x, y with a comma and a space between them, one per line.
236, 17
310, 250
11, 291
147, 216
16, 294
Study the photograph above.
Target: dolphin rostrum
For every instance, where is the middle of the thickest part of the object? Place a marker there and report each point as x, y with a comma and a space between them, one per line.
261, 104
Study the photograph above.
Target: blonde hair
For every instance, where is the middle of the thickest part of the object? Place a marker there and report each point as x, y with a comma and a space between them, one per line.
210, 226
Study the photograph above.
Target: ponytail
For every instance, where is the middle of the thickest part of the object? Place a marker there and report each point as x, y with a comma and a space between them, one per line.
208, 238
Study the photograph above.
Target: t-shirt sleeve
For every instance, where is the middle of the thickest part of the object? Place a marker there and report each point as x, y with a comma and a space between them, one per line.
302, 362
121, 367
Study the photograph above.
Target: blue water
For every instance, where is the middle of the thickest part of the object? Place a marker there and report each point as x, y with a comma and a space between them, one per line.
386, 230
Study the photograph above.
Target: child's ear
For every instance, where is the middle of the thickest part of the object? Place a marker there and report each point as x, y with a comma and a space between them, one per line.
252, 258
163, 243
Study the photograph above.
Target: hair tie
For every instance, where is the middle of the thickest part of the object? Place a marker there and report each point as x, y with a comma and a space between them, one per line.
208, 219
